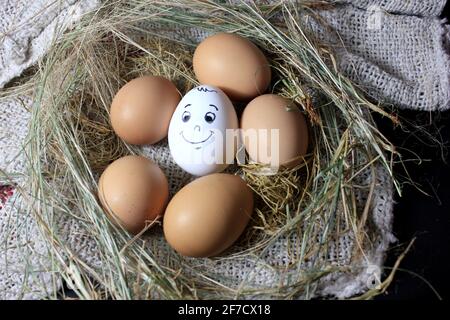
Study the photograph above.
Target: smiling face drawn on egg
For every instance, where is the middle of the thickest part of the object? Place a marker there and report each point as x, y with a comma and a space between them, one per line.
210, 117
197, 130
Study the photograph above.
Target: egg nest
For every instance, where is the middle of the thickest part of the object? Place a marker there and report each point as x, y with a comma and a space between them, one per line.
312, 223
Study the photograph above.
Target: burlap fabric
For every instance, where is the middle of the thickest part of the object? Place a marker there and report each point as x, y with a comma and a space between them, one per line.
395, 50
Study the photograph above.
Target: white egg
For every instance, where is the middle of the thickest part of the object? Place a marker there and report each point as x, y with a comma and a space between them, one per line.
202, 131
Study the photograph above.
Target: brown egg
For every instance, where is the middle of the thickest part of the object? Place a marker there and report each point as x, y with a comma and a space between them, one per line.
133, 190
234, 64
269, 112
208, 215
142, 109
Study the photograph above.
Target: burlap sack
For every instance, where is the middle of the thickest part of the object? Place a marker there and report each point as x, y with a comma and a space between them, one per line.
402, 62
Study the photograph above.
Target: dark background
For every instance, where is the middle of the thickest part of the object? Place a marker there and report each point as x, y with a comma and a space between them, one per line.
426, 217
423, 216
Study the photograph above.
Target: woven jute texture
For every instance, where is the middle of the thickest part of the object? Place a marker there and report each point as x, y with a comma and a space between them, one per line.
397, 59
395, 50
27, 29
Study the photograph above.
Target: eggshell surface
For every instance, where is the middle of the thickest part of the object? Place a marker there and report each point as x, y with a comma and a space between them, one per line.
198, 138
142, 108
269, 112
233, 64
208, 215
133, 191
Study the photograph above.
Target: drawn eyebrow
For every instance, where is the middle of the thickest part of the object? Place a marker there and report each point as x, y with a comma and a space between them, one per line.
211, 105
203, 89
188, 105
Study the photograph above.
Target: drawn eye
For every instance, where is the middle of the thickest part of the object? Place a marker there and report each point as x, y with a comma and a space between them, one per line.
186, 116
210, 117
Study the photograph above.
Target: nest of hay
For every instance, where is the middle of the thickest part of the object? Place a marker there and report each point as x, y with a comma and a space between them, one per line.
305, 218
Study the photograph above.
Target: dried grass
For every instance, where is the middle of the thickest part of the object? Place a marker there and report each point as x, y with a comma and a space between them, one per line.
71, 142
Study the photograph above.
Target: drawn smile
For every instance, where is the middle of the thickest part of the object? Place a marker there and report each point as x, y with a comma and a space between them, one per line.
211, 133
